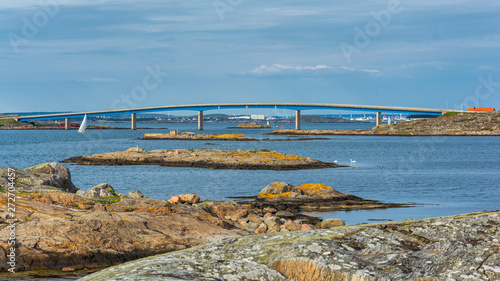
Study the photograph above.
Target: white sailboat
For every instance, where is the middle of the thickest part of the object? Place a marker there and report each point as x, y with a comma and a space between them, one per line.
83, 126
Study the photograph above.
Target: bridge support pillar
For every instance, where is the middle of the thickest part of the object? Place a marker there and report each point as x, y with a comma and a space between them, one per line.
297, 119
200, 120
133, 126
67, 124
379, 118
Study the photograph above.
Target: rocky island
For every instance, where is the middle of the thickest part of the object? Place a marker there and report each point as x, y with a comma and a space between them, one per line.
175, 135
450, 124
204, 158
313, 197
251, 125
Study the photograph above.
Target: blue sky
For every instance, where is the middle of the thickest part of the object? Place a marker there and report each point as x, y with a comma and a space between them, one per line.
60, 55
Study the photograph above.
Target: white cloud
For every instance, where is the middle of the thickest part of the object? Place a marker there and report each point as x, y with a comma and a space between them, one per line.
278, 68
100, 79
362, 70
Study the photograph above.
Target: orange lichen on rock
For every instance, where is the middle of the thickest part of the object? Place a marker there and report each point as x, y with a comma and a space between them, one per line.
314, 188
279, 195
229, 136
301, 269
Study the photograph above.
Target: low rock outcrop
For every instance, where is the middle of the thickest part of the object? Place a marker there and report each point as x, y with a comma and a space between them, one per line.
313, 196
464, 247
205, 158
55, 230
251, 125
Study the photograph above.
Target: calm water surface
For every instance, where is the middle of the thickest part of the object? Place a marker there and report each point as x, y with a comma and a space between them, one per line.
443, 175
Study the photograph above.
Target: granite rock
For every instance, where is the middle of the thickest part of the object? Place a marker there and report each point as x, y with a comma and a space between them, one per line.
463, 247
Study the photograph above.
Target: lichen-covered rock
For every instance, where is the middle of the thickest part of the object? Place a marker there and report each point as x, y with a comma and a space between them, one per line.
328, 223
284, 191
204, 158
135, 194
57, 229
42, 177
464, 247
100, 190
312, 197
277, 189
190, 198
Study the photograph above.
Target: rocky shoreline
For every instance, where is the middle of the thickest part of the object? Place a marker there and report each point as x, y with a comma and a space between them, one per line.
175, 135
190, 136
204, 158
60, 227
477, 124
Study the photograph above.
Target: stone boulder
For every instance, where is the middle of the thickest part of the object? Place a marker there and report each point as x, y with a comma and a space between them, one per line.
100, 190
135, 194
41, 177
175, 200
190, 198
328, 223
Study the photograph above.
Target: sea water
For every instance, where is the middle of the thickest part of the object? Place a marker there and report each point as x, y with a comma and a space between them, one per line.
439, 176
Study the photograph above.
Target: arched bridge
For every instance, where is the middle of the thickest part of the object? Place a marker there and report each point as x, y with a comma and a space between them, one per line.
297, 107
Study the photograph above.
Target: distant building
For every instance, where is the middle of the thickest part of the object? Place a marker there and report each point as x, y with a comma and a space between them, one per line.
257, 117
240, 117
481, 109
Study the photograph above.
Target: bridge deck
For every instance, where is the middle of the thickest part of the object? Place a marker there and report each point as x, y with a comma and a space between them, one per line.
214, 106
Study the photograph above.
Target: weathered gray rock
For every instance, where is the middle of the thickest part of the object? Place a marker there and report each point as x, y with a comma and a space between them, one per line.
100, 190
284, 214
136, 194
465, 247
279, 187
42, 177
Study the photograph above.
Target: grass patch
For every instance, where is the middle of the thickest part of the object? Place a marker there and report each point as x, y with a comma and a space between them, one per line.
455, 113
8, 121
487, 129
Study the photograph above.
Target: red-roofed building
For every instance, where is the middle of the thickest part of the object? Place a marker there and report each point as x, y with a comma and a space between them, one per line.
481, 109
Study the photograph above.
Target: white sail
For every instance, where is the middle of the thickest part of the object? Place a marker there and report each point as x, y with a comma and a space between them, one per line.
83, 126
